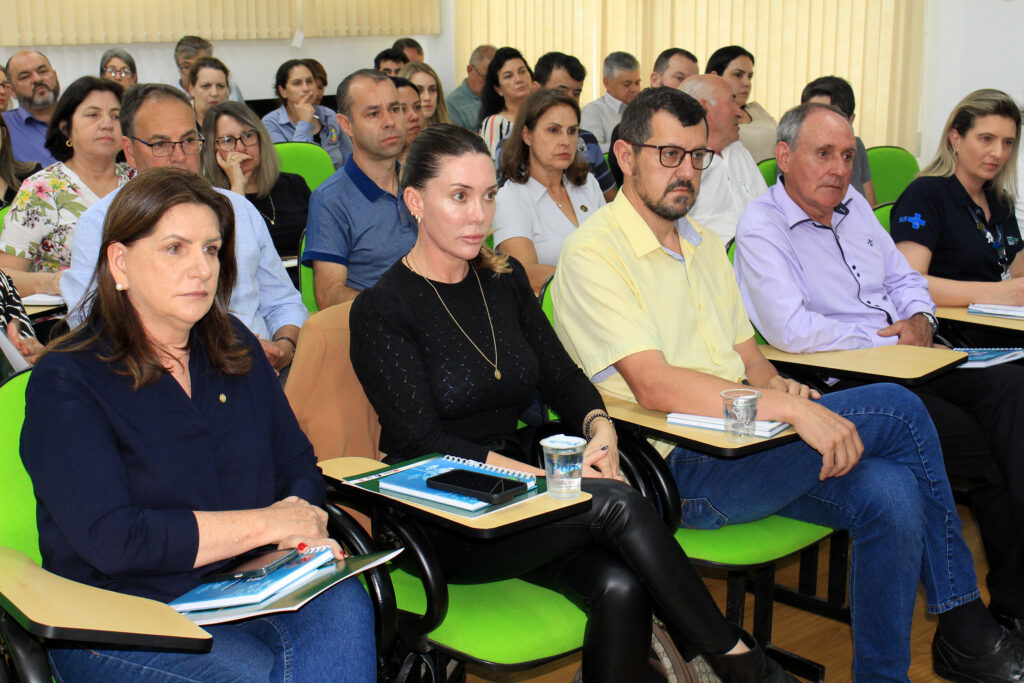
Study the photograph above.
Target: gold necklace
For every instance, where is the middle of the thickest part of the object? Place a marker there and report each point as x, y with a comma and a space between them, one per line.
494, 363
273, 218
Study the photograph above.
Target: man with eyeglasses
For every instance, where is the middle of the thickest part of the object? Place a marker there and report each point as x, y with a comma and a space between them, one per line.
647, 304
464, 102
732, 181
159, 129
35, 85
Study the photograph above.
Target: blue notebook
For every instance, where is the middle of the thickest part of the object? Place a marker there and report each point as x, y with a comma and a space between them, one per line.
411, 480
233, 592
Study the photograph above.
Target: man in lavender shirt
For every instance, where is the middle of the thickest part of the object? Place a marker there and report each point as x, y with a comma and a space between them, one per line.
817, 272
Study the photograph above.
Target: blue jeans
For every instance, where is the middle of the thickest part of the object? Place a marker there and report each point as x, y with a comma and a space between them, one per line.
329, 639
896, 503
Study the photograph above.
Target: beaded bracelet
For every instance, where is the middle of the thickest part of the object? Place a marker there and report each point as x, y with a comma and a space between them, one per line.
594, 415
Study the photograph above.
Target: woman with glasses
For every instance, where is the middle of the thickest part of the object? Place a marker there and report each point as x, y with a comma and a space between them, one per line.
242, 159
550, 190
5, 90
118, 66
84, 135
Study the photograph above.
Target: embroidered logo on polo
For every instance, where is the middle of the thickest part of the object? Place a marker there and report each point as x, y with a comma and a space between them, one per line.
915, 221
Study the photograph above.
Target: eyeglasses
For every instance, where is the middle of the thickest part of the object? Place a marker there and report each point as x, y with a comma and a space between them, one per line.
123, 72
248, 138
165, 148
671, 156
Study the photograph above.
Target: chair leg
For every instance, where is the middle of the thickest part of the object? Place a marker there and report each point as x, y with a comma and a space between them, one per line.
764, 607
735, 596
838, 565
808, 581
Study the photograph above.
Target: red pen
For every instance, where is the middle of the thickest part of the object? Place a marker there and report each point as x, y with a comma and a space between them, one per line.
301, 547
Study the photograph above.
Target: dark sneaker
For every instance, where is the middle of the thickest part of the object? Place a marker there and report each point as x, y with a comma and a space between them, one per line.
1004, 663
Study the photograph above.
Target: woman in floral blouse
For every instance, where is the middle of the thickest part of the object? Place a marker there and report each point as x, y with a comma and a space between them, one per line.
84, 136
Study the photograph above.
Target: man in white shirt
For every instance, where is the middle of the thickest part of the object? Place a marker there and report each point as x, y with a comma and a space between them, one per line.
733, 179
622, 83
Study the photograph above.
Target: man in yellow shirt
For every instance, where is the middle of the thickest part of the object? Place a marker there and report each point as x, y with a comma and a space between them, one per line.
647, 303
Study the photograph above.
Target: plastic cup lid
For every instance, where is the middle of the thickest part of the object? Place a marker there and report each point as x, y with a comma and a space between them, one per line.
563, 441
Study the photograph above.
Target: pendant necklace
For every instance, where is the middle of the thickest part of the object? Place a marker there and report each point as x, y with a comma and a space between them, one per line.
494, 339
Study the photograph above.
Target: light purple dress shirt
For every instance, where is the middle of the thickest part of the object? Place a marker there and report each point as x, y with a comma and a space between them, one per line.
808, 287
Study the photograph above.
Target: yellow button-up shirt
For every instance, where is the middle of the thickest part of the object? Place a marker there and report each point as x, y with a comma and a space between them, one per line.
617, 292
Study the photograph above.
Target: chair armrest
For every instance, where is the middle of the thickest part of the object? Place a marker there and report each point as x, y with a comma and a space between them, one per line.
49, 606
350, 534
664, 493
900, 363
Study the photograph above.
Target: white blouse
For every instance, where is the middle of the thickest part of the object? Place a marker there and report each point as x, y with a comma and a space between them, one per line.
527, 210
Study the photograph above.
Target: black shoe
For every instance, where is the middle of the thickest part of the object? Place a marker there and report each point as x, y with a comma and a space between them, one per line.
1005, 620
1004, 663
749, 667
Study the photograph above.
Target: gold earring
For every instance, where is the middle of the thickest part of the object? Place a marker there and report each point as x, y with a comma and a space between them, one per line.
419, 219
68, 142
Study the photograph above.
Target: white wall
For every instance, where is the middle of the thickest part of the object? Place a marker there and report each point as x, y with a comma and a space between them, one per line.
253, 63
968, 44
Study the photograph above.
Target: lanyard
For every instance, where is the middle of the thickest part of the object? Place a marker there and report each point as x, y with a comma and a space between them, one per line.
996, 240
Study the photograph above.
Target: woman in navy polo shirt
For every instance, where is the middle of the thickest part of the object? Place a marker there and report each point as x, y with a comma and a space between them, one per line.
955, 223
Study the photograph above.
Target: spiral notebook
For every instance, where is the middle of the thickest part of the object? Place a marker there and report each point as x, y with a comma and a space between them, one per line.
410, 480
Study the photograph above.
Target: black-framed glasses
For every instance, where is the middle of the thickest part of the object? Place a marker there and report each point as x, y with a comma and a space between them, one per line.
123, 72
226, 143
671, 156
165, 148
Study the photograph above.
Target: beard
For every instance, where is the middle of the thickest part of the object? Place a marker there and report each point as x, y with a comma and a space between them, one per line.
665, 208
44, 99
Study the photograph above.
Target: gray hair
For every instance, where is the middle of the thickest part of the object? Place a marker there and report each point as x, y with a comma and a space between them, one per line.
701, 87
619, 61
118, 53
792, 122
479, 52
189, 46
139, 94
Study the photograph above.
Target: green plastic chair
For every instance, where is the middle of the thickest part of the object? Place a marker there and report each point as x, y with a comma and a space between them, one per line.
17, 524
892, 169
306, 277
22, 639
3, 214
770, 170
883, 212
310, 161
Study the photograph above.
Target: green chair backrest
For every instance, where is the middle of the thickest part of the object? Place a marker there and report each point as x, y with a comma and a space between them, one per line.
306, 279
883, 214
892, 169
17, 502
546, 302
310, 161
3, 214
770, 170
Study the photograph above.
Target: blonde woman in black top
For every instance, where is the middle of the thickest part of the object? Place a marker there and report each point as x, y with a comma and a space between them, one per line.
448, 344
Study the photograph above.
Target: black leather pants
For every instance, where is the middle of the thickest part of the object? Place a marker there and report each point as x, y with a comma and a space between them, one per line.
617, 561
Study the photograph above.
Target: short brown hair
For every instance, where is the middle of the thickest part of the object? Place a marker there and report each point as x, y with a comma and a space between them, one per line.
515, 154
113, 328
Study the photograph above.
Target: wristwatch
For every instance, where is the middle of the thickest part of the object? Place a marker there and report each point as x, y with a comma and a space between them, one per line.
932, 320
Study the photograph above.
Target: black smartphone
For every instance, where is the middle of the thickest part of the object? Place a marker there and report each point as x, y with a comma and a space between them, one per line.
252, 565
485, 487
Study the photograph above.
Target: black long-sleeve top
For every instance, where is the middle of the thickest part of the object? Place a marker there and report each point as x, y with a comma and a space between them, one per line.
433, 391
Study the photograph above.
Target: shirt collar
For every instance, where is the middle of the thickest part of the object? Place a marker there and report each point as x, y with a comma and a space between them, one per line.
640, 236
24, 114
371, 190
795, 215
536, 190
617, 105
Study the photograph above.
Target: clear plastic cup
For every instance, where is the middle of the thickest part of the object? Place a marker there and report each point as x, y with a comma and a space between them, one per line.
563, 464
740, 411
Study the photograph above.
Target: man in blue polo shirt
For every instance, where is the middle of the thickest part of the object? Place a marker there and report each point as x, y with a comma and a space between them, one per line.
35, 84
358, 224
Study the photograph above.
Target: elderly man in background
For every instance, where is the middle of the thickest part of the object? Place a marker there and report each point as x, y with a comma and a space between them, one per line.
621, 83
464, 102
732, 180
